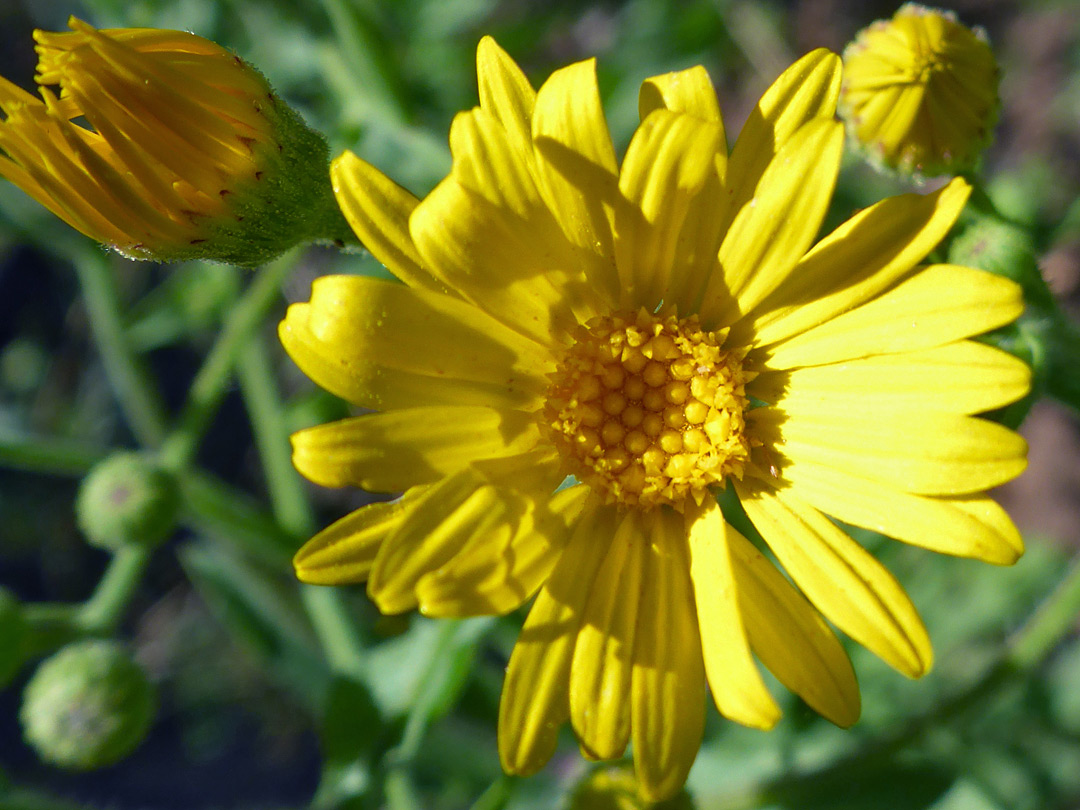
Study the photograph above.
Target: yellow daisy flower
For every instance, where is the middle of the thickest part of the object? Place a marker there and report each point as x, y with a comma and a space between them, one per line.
188, 153
920, 91
658, 331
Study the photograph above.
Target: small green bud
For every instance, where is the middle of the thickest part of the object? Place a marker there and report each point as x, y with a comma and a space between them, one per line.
996, 246
127, 500
88, 706
12, 631
615, 788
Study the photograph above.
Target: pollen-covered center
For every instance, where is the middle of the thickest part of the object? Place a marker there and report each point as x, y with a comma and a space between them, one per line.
649, 410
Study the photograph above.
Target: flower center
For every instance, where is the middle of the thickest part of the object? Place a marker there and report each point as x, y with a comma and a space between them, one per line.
649, 410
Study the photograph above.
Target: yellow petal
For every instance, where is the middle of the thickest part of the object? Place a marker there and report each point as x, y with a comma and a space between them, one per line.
964, 526
494, 574
576, 167
505, 92
854, 263
668, 689
791, 638
344, 551
603, 655
736, 684
964, 377
806, 90
669, 161
442, 521
390, 452
535, 696
687, 91
378, 210
383, 345
843, 580
518, 268
773, 231
926, 453
940, 304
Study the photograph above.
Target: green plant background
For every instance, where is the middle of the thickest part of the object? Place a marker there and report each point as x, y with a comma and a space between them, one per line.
279, 695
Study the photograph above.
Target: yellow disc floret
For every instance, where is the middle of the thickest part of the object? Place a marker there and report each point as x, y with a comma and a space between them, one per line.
649, 410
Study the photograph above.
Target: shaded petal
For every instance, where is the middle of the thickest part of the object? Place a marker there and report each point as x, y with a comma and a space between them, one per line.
494, 574
344, 551
687, 91
444, 519
390, 452
576, 167
964, 526
791, 638
383, 345
806, 90
736, 684
378, 211
843, 580
505, 92
669, 161
668, 689
862, 257
535, 697
604, 652
773, 231
487, 234
940, 304
964, 377
926, 453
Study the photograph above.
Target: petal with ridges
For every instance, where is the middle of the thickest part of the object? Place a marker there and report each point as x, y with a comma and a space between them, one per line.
791, 638
668, 689
854, 263
345, 550
535, 696
604, 652
392, 451
964, 377
492, 577
576, 167
806, 90
963, 526
687, 91
773, 231
736, 684
669, 161
927, 453
940, 304
383, 345
378, 211
443, 520
505, 92
843, 580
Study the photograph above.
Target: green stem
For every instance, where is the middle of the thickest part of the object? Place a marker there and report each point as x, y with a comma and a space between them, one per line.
329, 615
47, 454
130, 379
210, 384
497, 794
102, 612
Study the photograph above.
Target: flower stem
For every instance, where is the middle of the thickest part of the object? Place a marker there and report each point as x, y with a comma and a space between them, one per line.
334, 626
47, 454
102, 612
129, 377
209, 386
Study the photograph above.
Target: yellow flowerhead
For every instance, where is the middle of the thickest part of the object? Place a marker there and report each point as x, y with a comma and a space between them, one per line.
187, 152
658, 330
920, 92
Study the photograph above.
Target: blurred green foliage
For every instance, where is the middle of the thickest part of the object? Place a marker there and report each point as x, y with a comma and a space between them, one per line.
276, 694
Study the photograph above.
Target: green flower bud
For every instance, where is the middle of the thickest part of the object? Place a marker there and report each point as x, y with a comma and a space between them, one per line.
997, 247
616, 789
127, 500
12, 631
88, 706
